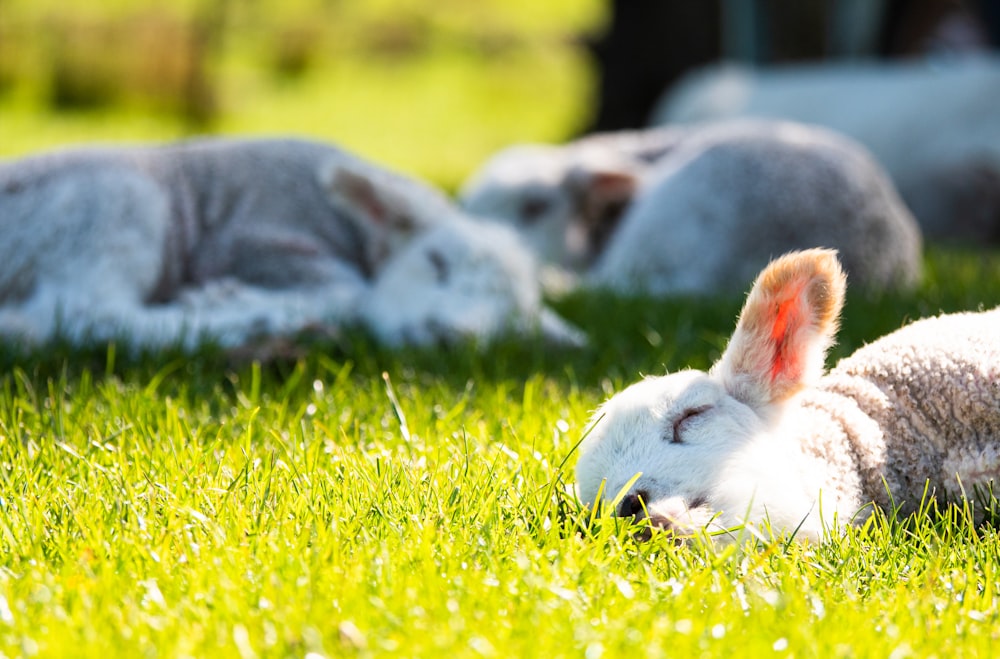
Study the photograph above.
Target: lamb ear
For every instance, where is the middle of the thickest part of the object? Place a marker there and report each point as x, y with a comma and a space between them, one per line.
369, 199
367, 195
602, 193
786, 326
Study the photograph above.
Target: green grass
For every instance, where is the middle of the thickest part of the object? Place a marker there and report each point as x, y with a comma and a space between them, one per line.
438, 117
172, 506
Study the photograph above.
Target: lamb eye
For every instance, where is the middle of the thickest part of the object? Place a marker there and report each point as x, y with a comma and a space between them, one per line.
533, 209
440, 265
686, 416
404, 223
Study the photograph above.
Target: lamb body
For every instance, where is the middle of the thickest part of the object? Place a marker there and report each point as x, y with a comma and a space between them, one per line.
231, 239
698, 210
932, 391
932, 124
729, 197
762, 436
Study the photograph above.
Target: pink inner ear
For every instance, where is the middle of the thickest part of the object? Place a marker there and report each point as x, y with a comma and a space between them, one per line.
612, 185
363, 195
784, 329
788, 318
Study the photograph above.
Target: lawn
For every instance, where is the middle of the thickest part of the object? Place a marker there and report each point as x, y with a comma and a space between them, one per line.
363, 502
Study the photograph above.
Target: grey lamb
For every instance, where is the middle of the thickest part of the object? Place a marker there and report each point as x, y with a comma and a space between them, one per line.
233, 239
699, 210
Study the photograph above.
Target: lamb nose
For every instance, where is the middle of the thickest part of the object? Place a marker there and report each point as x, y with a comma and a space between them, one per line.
632, 505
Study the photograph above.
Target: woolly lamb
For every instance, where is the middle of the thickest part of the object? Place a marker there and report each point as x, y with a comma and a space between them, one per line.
566, 200
933, 125
764, 435
707, 207
234, 239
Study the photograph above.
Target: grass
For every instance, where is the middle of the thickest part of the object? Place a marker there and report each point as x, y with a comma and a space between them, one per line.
437, 118
173, 506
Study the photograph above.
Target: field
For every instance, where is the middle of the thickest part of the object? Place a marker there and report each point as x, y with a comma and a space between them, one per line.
428, 88
363, 502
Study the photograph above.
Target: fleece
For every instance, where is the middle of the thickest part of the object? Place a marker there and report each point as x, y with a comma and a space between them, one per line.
918, 408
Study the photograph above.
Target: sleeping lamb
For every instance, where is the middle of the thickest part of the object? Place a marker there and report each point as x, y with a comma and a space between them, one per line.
700, 210
766, 436
566, 200
230, 240
933, 124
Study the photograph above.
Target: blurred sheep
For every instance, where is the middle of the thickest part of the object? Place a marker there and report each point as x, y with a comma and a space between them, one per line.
230, 240
933, 124
699, 210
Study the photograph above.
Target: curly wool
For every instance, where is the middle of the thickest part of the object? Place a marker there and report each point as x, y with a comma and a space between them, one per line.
918, 408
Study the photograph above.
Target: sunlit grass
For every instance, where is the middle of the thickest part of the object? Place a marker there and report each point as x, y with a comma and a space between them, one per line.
437, 117
191, 507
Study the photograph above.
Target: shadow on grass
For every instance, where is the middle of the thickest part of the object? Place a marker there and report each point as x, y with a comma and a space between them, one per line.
629, 336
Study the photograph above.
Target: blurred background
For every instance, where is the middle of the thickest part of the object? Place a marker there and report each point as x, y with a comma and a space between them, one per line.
427, 86
430, 87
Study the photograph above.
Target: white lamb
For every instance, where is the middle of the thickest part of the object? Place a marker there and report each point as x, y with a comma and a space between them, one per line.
766, 436
566, 200
229, 240
932, 124
700, 210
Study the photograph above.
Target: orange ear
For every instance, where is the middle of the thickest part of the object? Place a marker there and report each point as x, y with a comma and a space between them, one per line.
785, 328
598, 188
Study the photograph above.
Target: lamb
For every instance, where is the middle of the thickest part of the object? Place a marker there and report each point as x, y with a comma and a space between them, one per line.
566, 200
932, 124
229, 240
765, 437
699, 210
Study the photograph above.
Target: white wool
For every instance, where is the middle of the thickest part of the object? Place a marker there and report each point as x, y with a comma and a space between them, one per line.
932, 124
232, 240
763, 438
933, 390
700, 209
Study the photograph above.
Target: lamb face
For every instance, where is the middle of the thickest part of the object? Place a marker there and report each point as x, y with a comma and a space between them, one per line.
523, 186
565, 201
714, 450
388, 208
462, 281
437, 276
683, 451
686, 439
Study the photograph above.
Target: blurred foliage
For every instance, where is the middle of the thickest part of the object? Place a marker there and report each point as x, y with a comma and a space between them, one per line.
427, 87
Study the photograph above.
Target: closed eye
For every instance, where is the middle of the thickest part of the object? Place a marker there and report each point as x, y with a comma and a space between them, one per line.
681, 421
533, 209
440, 264
404, 223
